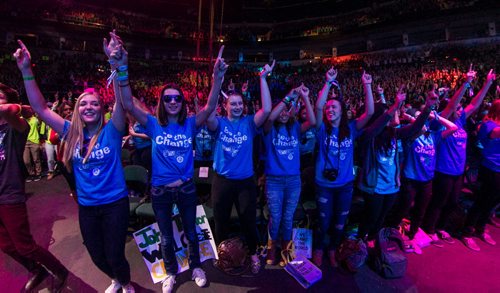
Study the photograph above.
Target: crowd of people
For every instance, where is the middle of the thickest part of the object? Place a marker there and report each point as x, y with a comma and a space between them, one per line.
376, 124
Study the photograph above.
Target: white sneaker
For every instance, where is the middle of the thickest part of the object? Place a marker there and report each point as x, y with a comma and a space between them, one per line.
487, 238
416, 248
199, 277
436, 241
445, 236
470, 243
168, 284
114, 287
128, 288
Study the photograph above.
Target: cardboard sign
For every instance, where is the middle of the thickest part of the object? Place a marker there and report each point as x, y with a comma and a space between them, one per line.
148, 242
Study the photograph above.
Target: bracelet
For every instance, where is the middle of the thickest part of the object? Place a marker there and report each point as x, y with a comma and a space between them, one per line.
122, 68
122, 75
124, 85
29, 77
287, 100
467, 85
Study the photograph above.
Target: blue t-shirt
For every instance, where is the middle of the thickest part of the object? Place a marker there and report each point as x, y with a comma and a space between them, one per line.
386, 177
139, 142
420, 156
234, 146
343, 161
172, 151
307, 141
283, 157
100, 180
491, 150
451, 150
204, 144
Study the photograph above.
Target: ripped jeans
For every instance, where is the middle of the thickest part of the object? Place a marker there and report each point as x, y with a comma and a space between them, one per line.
333, 204
283, 194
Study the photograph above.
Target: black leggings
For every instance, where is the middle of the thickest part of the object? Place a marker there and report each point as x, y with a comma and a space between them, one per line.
445, 189
377, 207
488, 198
243, 194
413, 193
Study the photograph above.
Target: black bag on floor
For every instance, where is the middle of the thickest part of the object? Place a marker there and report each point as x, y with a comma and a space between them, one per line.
352, 254
390, 260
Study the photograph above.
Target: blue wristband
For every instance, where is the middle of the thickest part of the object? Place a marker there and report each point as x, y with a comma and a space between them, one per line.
122, 68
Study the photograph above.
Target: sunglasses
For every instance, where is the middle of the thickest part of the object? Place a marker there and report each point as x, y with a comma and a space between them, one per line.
169, 98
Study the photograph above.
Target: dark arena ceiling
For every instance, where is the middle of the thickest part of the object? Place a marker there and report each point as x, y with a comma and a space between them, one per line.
255, 11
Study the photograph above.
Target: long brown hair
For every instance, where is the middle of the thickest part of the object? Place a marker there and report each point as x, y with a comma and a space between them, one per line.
75, 136
161, 112
344, 130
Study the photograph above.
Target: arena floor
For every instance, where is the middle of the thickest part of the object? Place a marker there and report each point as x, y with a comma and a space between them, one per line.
54, 224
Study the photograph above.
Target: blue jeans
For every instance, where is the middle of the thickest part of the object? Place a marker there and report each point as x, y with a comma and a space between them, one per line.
104, 232
333, 204
184, 196
283, 194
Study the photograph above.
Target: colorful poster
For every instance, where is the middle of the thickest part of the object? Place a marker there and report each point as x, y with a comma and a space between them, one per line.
148, 242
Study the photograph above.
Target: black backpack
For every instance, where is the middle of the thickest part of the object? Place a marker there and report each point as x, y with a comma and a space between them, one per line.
390, 260
352, 254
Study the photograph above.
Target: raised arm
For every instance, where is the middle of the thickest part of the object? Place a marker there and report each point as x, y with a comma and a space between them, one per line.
457, 97
35, 97
450, 126
478, 99
369, 106
412, 129
118, 58
290, 98
220, 69
11, 114
311, 118
330, 77
265, 96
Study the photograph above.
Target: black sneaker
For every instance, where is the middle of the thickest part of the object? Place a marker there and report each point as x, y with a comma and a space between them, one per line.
37, 178
29, 179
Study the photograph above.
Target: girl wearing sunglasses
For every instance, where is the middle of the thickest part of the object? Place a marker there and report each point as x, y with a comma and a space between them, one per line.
172, 134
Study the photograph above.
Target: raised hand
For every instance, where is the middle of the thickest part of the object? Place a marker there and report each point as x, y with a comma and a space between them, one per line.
244, 87
294, 93
331, 74
304, 91
491, 76
471, 74
220, 67
114, 42
266, 70
119, 56
380, 90
230, 86
366, 78
23, 57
